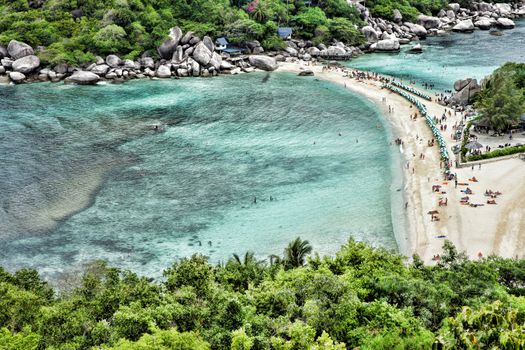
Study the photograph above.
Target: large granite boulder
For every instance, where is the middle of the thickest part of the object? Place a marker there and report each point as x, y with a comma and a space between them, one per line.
167, 48
163, 71
176, 34
202, 54
3, 52
503, 9
417, 29
100, 69
113, 61
186, 38
460, 84
429, 22
26, 64
465, 91
397, 16
387, 45
293, 52
225, 65
263, 62
81, 77
6, 62
314, 51
454, 6
128, 64
17, 49
370, 34
416, 48
505, 23
147, 62
485, 7
208, 42
17, 77
464, 26
216, 61
178, 55
483, 23
335, 51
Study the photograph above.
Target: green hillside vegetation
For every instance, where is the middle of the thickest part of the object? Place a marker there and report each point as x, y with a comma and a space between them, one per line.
362, 296
501, 100
74, 31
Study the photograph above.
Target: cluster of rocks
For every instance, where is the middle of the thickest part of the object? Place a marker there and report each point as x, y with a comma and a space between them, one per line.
180, 56
307, 51
18, 60
384, 35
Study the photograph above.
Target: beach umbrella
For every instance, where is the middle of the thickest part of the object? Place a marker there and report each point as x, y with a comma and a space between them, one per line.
474, 145
432, 212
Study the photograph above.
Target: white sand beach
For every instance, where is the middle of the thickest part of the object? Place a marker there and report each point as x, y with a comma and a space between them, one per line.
488, 229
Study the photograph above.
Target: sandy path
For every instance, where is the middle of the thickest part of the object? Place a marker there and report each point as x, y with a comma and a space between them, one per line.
489, 229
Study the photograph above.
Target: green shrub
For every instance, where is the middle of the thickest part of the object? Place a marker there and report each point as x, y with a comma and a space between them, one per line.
498, 153
273, 43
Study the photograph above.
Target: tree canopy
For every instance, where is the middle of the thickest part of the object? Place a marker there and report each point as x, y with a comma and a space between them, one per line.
501, 100
361, 297
74, 31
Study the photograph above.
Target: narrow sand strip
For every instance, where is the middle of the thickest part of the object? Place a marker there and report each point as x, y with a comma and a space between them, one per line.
488, 229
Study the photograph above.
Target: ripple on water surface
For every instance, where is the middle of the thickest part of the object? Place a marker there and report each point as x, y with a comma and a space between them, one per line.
150, 197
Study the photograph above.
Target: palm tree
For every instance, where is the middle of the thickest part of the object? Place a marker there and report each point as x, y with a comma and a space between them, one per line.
296, 252
245, 270
249, 259
275, 259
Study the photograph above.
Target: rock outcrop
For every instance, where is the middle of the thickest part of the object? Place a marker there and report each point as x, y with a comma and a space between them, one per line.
202, 54
465, 90
83, 78
505, 23
26, 64
17, 49
17, 77
113, 61
263, 62
163, 71
464, 26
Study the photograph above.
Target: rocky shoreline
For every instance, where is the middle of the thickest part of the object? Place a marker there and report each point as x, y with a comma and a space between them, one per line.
383, 35
186, 54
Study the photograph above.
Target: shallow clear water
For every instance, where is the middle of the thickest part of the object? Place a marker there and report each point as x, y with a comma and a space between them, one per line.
84, 176
152, 197
446, 59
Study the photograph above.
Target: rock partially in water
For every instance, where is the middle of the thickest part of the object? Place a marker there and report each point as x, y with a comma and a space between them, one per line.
464, 26
505, 23
163, 71
306, 73
386, 45
496, 33
483, 23
83, 78
17, 77
416, 48
264, 62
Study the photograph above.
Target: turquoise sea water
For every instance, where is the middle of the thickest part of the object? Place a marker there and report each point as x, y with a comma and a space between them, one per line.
448, 58
316, 158
85, 176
